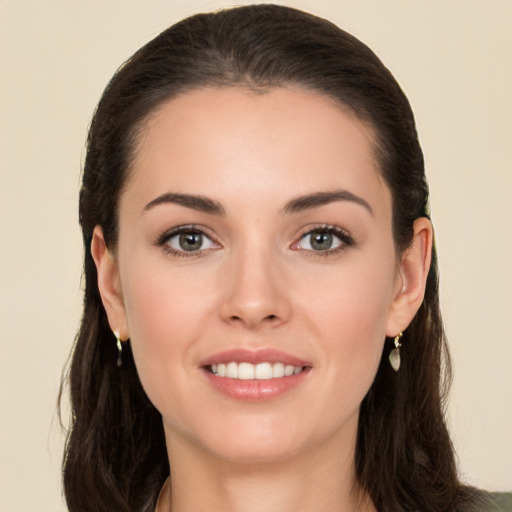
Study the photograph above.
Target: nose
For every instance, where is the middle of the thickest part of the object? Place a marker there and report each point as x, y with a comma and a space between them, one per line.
255, 291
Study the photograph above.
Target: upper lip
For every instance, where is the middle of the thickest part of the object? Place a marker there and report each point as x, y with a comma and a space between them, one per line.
254, 356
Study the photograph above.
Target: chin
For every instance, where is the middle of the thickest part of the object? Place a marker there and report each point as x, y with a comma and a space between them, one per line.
261, 440
257, 451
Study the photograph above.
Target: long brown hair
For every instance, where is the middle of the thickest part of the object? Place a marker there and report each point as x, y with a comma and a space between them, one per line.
115, 455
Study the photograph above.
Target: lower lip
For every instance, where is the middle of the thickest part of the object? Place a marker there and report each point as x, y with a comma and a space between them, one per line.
255, 390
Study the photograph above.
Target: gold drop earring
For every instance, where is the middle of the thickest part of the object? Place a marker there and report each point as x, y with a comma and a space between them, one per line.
119, 349
394, 355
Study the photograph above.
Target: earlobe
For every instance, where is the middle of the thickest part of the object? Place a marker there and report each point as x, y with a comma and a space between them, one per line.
109, 283
413, 269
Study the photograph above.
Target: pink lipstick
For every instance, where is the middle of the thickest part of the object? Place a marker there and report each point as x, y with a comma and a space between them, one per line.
261, 374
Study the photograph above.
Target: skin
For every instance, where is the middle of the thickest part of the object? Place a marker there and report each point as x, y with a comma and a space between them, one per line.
258, 282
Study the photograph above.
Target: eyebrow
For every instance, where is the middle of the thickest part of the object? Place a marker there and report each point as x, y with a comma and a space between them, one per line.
199, 203
317, 199
296, 205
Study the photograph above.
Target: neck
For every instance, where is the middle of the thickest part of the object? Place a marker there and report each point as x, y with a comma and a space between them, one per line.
323, 480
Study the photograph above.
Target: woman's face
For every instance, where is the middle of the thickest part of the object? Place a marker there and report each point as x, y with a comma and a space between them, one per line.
255, 235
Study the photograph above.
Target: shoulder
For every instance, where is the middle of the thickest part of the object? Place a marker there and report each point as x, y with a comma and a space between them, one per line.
493, 502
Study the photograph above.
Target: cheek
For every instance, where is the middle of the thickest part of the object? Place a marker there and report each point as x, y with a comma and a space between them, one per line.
157, 306
164, 320
163, 300
349, 317
353, 300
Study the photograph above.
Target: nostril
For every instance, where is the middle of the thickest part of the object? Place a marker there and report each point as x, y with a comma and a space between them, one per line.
269, 318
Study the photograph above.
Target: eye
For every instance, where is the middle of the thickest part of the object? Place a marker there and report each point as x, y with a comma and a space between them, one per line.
324, 239
187, 240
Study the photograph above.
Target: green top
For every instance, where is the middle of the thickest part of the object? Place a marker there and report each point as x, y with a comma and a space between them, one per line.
496, 502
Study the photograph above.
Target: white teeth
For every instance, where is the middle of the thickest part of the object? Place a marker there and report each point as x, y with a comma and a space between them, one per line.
278, 370
232, 370
246, 371
261, 371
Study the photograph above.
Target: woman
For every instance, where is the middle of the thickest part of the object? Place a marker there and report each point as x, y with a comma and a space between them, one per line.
261, 315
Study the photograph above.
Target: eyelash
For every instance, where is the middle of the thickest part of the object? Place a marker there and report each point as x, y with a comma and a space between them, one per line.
342, 235
163, 240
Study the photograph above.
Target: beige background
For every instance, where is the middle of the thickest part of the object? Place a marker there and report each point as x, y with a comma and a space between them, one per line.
453, 59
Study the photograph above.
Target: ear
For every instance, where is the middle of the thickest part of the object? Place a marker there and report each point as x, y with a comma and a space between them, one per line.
109, 284
413, 270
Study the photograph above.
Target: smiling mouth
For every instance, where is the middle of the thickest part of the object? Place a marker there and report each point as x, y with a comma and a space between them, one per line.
260, 371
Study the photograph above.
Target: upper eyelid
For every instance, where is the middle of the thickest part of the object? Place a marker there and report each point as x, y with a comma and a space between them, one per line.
324, 227
342, 233
166, 235
164, 243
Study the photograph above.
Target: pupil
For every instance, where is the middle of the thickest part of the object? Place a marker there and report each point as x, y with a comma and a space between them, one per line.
191, 241
321, 241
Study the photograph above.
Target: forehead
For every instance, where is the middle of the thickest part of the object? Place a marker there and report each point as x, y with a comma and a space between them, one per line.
230, 140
